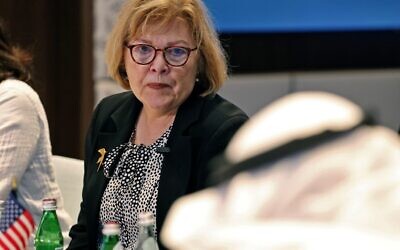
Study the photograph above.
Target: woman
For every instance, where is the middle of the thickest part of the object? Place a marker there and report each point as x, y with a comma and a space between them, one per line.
150, 145
25, 149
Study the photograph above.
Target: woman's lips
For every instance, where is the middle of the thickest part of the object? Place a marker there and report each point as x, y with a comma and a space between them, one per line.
157, 85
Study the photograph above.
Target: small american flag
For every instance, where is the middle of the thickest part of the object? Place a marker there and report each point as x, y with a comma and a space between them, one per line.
16, 224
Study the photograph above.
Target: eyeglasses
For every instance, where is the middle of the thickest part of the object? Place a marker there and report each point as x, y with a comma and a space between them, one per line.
144, 54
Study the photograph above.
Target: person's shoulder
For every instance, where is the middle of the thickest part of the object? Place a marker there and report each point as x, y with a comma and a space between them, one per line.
19, 94
117, 99
220, 107
217, 112
14, 86
112, 103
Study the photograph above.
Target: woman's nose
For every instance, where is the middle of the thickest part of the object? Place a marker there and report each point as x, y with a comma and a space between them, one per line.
159, 64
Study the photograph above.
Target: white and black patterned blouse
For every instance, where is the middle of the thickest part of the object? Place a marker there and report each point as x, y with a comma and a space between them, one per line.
133, 187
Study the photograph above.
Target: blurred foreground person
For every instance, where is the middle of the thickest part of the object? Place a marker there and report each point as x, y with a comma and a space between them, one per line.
306, 172
25, 149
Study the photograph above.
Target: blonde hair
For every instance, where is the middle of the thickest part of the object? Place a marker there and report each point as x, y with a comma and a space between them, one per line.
135, 15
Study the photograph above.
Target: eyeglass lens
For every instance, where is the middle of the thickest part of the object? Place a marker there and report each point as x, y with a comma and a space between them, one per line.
145, 54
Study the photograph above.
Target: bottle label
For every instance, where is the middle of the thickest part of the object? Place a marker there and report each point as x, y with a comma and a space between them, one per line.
118, 246
56, 248
150, 244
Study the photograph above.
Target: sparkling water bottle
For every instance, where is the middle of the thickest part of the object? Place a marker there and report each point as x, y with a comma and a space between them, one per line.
110, 239
147, 239
48, 234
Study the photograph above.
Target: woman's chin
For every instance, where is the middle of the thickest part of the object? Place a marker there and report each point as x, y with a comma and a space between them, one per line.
160, 105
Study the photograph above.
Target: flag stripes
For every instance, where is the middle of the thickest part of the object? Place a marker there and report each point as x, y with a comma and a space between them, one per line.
16, 225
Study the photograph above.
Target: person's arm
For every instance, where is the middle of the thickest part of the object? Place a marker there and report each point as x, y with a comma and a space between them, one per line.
19, 133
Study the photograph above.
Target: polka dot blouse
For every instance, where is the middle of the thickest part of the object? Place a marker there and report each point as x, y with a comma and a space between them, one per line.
133, 187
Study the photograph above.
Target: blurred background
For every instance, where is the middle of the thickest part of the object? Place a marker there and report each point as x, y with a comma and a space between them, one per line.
351, 48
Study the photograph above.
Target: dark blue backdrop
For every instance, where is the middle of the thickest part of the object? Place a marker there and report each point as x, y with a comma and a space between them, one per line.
231, 16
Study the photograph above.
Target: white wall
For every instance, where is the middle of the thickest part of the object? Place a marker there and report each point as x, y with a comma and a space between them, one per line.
376, 91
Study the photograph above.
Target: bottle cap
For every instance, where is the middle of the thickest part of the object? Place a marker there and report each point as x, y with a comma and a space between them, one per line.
49, 204
146, 218
111, 228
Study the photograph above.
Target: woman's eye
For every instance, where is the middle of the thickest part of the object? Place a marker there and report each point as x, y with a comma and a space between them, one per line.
144, 49
177, 51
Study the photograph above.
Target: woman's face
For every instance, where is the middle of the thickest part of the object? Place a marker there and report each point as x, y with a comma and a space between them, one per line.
158, 85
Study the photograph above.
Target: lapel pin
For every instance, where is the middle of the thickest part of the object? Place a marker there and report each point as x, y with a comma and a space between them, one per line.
102, 153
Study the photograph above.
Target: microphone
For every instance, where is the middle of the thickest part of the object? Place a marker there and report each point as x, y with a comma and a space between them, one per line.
163, 150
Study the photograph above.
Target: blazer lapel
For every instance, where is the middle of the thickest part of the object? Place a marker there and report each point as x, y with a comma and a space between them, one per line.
176, 168
116, 129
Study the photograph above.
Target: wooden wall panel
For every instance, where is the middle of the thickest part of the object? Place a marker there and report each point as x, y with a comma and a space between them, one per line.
59, 35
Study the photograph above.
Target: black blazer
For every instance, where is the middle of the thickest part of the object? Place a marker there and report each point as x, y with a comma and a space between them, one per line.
203, 127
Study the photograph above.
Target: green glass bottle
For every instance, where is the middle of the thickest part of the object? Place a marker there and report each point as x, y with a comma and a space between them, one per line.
48, 234
147, 239
110, 239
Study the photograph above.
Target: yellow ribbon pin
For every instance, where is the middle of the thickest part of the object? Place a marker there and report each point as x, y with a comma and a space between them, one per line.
102, 153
